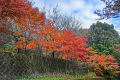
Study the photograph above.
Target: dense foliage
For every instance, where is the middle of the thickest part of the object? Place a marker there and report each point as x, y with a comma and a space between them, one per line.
103, 37
25, 30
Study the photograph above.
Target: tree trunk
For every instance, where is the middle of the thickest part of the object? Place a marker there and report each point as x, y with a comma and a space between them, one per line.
53, 55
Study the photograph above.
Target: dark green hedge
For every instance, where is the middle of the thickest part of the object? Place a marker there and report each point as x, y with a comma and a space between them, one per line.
28, 64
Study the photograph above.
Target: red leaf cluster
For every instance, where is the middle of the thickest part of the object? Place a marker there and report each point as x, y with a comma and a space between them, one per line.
13, 8
103, 61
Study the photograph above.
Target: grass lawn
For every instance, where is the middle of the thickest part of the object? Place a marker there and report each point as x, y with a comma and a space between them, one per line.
55, 78
63, 79
88, 76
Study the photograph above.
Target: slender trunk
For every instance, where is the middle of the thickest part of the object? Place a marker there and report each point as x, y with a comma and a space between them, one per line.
53, 55
18, 50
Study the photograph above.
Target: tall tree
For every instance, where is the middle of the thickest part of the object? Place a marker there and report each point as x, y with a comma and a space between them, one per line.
63, 22
102, 36
65, 42
112, 9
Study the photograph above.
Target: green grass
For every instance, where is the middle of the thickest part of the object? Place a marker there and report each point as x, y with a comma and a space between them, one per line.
54, 78
88, 76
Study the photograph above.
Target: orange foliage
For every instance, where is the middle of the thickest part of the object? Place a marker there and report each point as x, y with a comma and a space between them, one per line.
65, 42
23, 39
1, 41
51, 40
4, 30
42, 19
18, 33
74, 47
104, 61
21, 43
32, 45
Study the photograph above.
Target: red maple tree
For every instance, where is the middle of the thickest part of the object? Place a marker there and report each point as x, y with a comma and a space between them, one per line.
65, 42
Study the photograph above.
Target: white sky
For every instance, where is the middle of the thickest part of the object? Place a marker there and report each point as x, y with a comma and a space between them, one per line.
83, 10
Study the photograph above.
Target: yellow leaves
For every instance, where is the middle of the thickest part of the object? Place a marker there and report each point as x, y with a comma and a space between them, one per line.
32, 45
12, 42
49, 51
93, 51
18, 33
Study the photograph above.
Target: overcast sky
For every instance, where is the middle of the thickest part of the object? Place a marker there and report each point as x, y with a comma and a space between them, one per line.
83, 10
